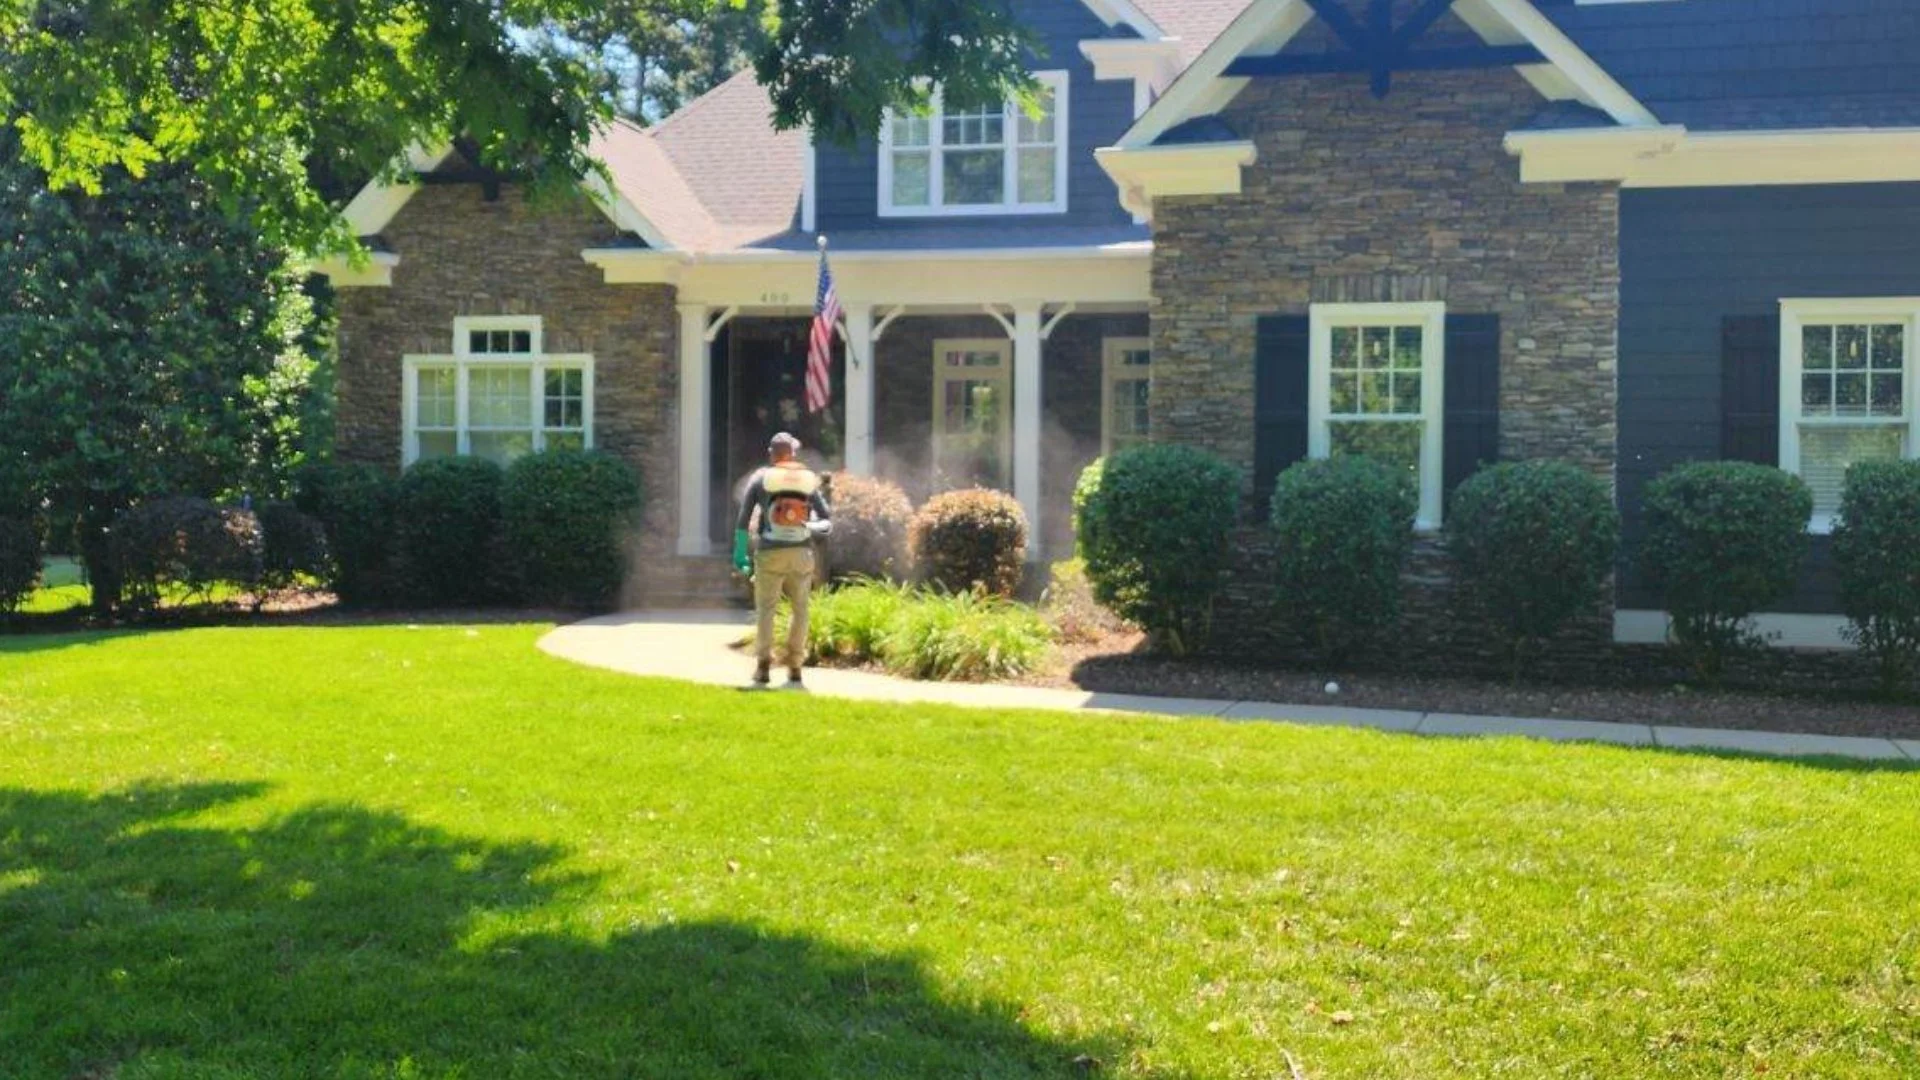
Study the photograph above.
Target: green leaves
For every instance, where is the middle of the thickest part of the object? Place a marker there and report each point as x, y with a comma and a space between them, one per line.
260, 97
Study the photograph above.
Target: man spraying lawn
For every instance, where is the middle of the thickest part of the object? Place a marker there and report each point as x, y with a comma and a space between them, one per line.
784, 501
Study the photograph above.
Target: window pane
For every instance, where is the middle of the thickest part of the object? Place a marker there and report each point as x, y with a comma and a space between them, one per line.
1344, 399
477, 341
436, 444
1816, 348
1394, 443
1407, 344
1346, 347
1825, 453
523, 341
1039, 131
1376, 342
1376, 393
434, 405
1888, 395
566, 440
1850, 393
974, 177
912, 129
1037, 176
1850, 346
913, 179
1816, 394
984, 125
501, 447
1128, 424
1136, 358
1889, 346
500, 397
1406, 393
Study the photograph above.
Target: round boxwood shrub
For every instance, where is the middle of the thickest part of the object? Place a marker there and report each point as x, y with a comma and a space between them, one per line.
20, 551
186, 543
293, 545
449, 531
970, 539
1878, 565
1724, 539
1152, 524
870, 522
356, 506
567, 513
1532, 543
1343, 528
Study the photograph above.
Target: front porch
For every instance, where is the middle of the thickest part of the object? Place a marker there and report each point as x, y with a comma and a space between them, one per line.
940, 380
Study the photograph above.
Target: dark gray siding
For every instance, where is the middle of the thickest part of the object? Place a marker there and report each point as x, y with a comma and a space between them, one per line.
1689, 259
1099, 113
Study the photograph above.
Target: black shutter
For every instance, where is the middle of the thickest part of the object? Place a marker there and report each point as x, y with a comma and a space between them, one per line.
1750, 389
1472, 430
1279, 402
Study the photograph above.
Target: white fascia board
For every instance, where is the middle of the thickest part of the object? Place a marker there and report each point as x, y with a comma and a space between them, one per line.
374, 206
1264, 27
1596, 87
1152, 62
1151, 172
1672, 156
343, 274
1117, 12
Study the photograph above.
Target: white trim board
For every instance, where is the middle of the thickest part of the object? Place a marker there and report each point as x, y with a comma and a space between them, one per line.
1268, 25
1781, 629
1146, 173
1672, 156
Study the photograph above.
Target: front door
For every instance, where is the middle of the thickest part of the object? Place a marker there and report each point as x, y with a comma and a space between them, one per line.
972, 414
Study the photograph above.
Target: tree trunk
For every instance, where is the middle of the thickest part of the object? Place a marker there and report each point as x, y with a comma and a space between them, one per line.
96, 555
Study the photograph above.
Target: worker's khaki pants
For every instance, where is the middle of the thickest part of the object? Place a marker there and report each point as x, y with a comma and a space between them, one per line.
777, 572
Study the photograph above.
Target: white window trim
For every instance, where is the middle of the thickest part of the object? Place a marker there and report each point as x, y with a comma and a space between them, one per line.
463, 361
941, 377
1111, 372
1058, 82
1432, 319
1795, 314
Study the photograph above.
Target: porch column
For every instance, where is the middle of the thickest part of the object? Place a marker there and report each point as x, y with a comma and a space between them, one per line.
860, 352
1026, 416
696, 450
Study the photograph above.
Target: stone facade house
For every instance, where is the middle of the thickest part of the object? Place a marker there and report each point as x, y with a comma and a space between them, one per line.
1622, 233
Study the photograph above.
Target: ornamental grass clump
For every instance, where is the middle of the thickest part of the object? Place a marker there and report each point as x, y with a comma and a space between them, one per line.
1344, 528
1153, 524
966, 637
1724, 539
1533, 544
850, 623
1876, 555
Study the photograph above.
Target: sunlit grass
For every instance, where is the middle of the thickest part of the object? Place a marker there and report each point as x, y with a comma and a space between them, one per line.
436, 852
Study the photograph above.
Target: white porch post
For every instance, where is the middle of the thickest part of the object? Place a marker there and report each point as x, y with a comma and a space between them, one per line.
1026, 416
859, 402
696, 451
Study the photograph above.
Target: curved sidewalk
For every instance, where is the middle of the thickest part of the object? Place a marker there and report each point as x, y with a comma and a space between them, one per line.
697, 647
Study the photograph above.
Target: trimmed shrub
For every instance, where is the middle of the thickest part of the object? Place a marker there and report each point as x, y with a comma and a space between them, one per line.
185, 543
1533, 543
1344, 527
870, 522
356, 506
975, 539
1724, 539
449, 531
964, 636
566, 514
1153, 524
1878, 564
20, 552
292, 545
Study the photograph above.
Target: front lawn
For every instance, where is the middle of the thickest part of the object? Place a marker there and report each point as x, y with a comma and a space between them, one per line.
435, 852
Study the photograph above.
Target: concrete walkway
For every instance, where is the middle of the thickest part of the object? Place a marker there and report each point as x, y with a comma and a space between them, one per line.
697, 647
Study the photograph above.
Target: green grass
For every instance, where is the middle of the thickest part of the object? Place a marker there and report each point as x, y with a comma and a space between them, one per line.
437, 853
63, 588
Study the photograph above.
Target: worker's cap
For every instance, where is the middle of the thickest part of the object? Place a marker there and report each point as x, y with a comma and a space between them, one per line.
784, 441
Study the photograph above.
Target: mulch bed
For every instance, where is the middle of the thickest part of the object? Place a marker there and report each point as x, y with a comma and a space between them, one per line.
1114, 664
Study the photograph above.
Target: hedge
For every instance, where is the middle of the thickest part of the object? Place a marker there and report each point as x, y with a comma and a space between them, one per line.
449, 532
356, 506
1877, 560
567, 514
1344, 528
187, 543
20, 552
969, 540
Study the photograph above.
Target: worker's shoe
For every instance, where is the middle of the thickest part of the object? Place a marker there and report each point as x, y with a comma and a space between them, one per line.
794, 681
763, 675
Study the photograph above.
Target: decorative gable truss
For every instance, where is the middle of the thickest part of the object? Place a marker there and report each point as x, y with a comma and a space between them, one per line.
1173, 150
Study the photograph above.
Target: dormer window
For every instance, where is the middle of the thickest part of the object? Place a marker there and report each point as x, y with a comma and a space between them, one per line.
988, 158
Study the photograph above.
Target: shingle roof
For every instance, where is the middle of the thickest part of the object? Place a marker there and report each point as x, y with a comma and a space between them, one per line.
1195, 22
1758, 64
714, 176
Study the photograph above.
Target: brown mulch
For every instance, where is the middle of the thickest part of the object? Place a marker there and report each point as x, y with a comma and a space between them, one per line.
1114, 664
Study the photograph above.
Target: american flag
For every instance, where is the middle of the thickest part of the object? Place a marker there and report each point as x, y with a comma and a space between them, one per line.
826, 318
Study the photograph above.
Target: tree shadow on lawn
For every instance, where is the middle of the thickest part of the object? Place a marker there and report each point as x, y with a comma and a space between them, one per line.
338, 941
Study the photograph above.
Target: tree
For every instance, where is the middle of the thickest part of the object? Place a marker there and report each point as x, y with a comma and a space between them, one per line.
149, 345
258, 97
650, 59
